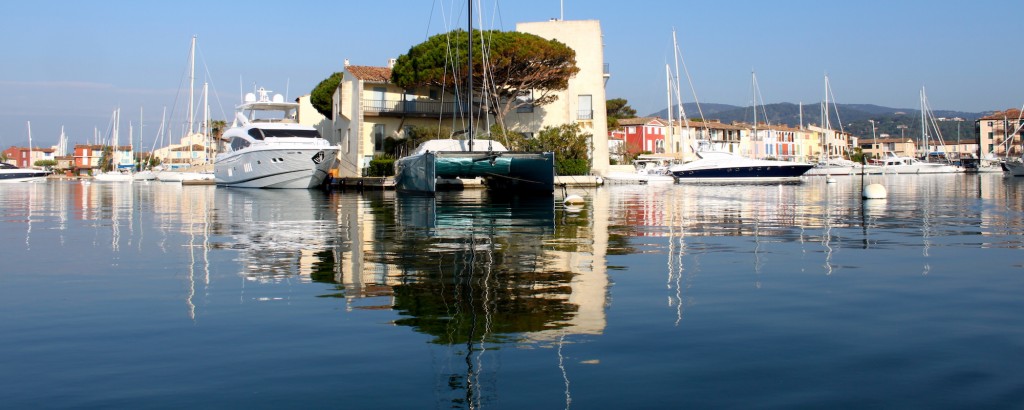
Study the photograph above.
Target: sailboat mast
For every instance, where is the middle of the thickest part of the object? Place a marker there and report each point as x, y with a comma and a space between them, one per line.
924, 129
679, 98
469, 63
668, 91
191, 86
206, 123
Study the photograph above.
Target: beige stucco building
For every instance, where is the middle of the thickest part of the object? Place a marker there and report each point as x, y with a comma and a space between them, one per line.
993, 131
370, 110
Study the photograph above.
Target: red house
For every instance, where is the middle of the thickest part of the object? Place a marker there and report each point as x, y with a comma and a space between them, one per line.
645, 134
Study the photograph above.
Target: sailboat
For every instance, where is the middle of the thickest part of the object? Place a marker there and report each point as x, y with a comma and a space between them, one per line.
203, 173
898, 164
121, 171
503, 170
828, 163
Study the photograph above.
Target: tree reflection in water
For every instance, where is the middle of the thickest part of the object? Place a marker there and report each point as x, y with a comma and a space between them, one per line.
474, 278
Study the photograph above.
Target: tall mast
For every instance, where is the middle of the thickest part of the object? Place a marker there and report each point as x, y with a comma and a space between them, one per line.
469, 63
206, 123
924, 130
668, 90
191, 86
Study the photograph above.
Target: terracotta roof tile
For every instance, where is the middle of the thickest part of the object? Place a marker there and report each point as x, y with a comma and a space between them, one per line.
368, 73
1010, 114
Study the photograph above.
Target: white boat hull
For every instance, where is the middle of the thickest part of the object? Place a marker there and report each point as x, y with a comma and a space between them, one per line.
637, 178
839, 170
921, 168
292, 166
21, 178
114, 177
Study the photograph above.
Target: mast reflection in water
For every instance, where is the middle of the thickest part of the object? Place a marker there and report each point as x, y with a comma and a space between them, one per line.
191, 296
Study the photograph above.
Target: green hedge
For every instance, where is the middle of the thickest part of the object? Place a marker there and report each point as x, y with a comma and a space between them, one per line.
381, 167
572, 167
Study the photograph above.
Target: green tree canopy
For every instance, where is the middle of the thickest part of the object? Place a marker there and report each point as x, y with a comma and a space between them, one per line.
618, 108
518, 64
322, 96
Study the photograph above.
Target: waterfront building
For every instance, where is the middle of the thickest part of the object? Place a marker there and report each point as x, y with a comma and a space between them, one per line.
369, 110
876, 148
87, 158
192, 149
1000, 133
25, 157
583, 101
643, 134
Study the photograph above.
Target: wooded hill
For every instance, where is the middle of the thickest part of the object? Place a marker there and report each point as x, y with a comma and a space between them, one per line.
855, 118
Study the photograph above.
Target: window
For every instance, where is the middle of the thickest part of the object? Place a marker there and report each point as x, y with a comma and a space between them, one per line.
348, 140
378, 137
524, 102
238, 143
586, 107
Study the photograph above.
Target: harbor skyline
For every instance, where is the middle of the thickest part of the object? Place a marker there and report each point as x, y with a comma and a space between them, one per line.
77, 62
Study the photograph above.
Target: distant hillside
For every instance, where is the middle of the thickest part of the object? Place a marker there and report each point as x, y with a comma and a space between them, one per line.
710, 110
855, 118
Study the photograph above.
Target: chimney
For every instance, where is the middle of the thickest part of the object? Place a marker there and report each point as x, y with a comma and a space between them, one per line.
391, 63
346, 62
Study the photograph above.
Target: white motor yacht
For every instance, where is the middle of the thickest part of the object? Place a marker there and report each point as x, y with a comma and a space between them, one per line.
895, 164
648, 169
721, 166
268, 151
841, 166
11, 173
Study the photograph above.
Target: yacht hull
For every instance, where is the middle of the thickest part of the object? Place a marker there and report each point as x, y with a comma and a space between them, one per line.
739, 173
32, 176
275, 167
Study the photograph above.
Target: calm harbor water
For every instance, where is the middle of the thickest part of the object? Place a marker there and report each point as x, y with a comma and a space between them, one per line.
768, 296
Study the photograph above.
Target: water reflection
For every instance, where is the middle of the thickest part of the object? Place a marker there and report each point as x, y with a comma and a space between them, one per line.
485, 284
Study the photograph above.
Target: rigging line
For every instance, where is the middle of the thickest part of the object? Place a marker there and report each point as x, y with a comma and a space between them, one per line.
209, 77
693, 90
828, 88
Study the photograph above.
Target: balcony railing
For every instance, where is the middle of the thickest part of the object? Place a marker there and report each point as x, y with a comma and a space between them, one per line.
585, 115
415, 107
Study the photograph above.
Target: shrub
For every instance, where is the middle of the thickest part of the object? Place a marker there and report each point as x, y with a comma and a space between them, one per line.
381, 166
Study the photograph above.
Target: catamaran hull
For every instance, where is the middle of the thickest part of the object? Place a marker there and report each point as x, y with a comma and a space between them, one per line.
283, 168
503, 172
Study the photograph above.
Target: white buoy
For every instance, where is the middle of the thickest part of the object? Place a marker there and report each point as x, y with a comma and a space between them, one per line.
573, 200
874, 191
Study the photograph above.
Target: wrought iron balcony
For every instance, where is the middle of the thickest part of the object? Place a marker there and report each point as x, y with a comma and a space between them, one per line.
415, 108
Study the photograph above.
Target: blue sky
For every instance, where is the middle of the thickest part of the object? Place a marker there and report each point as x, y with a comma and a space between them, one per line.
72, 62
